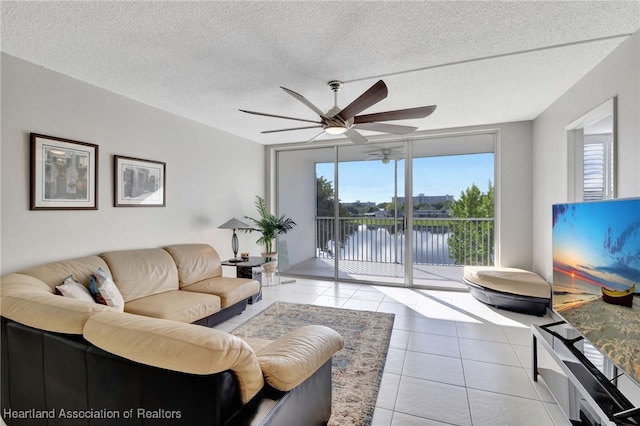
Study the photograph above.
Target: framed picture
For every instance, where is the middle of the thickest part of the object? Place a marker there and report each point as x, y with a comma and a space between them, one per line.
64, 174
138, 183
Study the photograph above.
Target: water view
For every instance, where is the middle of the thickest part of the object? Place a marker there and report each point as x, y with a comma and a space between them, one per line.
449, 241
376, 244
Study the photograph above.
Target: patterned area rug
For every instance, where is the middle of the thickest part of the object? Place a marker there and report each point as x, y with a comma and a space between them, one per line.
357, 368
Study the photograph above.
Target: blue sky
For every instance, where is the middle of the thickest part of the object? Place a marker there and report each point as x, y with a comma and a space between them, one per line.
447, 175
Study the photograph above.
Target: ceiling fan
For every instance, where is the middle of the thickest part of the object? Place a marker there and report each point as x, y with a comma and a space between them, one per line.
386, 154
339, 121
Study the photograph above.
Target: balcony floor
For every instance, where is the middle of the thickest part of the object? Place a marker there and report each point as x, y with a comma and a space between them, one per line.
431, 276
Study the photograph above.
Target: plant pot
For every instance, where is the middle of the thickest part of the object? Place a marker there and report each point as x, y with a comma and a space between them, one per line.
271, 265
270, 256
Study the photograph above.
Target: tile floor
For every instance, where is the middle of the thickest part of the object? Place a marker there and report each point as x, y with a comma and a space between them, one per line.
452, 360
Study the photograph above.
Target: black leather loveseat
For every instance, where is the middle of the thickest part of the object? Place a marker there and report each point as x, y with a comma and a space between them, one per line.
65, 380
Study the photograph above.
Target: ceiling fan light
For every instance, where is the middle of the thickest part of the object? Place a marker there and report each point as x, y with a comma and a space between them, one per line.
335, 130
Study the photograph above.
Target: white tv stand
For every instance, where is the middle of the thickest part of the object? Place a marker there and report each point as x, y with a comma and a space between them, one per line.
583, 392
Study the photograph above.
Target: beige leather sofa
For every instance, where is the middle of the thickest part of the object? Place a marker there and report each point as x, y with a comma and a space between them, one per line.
179, 282
167, 292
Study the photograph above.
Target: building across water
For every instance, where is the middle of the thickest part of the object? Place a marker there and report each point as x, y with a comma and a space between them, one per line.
428, 199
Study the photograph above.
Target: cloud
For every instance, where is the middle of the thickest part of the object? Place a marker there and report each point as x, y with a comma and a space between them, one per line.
558, 211
622, 270
607, 239
616, 246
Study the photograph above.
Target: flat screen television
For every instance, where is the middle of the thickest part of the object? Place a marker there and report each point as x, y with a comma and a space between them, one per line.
596, 246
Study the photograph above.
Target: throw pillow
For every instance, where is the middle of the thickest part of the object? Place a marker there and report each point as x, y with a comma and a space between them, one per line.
72, 288
104, 290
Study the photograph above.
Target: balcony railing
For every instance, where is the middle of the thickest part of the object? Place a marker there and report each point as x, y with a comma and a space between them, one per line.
436, 241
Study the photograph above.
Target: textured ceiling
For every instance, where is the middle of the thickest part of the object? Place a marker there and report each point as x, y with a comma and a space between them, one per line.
480, 62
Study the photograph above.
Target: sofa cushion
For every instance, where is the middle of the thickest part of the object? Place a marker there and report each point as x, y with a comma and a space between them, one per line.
294, 357
230, 290
195, 262
508, 280
175, 346
104, 290
54, 273
175, 305
72, 288
256, 343
142, 272
30, 301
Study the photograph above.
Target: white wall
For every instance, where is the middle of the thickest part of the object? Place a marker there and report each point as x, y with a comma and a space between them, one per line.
617, 75
514, 209
211, 175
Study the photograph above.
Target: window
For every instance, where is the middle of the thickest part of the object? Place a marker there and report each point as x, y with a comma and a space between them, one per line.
597, 167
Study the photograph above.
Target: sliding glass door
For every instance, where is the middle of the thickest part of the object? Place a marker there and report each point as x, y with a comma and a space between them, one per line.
366, 213
371, 223
453, 208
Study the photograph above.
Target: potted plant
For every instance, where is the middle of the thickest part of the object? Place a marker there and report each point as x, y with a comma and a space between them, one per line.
270, 226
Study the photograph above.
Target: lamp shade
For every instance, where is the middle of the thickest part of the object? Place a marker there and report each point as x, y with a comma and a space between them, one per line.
234, 223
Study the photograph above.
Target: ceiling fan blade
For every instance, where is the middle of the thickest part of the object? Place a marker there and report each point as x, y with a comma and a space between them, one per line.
400, 114
386, 128
279, 116
316, 136
356, 137
372, 96
305, 101
291, 128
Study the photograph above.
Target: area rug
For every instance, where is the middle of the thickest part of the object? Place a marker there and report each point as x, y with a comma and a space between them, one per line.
357, 368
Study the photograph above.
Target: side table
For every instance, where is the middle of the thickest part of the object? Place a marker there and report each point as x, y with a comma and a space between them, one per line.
251, 268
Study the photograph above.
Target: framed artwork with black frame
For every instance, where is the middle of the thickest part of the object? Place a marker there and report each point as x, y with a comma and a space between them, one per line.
63, 175
138, 182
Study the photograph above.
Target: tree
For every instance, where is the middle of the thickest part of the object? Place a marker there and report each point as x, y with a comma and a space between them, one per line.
389, 208
471, 241
324, 194
325, 198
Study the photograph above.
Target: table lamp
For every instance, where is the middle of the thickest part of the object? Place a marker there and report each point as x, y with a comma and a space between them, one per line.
234, 224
